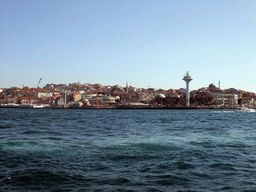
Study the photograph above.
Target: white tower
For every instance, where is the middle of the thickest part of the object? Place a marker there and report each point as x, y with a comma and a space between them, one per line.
187, 79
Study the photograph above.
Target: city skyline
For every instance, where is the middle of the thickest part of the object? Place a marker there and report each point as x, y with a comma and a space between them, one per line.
147, 43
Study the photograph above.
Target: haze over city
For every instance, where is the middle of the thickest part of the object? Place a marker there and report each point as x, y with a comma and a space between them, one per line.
147, 43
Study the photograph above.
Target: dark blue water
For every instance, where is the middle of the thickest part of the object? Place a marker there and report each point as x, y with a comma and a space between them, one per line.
127, 150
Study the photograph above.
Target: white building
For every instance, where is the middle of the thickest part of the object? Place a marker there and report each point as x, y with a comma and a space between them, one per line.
109, 100
42, 95
88, 95
224, 99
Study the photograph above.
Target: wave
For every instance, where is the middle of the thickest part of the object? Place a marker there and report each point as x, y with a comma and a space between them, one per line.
144, 147
30, 132
22, 146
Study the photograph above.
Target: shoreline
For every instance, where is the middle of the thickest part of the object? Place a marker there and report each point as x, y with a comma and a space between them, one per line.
132, 107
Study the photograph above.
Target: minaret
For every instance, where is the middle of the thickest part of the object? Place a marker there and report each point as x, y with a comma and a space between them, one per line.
219, 84
126, 87
65, 98
187, 79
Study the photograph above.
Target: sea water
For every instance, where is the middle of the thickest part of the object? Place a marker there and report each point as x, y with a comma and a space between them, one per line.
127, 150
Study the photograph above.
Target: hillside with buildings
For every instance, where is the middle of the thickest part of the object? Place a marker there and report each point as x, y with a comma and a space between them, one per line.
76, 95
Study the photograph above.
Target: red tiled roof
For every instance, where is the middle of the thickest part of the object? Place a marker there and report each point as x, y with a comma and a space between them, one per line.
76, 93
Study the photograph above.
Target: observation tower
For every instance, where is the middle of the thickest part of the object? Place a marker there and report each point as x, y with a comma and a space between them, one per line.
187, 79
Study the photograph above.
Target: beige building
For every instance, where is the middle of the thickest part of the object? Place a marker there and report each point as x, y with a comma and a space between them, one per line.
76, 96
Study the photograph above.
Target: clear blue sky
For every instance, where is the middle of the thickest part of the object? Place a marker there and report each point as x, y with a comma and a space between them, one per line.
149, 43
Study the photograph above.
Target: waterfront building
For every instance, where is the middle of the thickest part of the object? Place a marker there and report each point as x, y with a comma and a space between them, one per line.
249, 102
224, 99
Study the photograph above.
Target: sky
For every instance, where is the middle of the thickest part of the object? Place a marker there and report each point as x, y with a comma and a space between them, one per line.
147, 43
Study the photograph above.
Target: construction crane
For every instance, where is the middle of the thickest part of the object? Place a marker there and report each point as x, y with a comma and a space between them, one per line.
38, 82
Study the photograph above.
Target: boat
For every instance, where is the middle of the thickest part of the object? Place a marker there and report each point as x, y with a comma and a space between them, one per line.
40, 106
26, 105
11, 105
244, 110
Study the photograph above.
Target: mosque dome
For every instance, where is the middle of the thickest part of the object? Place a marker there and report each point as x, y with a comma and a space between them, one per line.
160, 96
